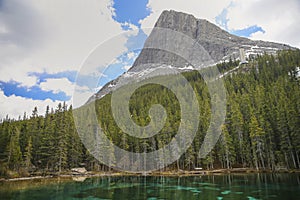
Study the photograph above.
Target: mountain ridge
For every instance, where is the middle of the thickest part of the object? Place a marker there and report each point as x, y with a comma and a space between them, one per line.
218, 43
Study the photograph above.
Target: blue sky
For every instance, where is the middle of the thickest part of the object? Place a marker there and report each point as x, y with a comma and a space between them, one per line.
222, 20
130, 11
43, 76
34, 92
125, 13
41, 54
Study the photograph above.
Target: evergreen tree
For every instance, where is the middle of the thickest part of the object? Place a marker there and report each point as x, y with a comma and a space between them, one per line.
14, 154
28, 154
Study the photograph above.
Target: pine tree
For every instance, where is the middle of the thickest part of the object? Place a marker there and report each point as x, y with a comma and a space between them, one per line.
14, 154
262, 128
228, 147
28, 154
257, 142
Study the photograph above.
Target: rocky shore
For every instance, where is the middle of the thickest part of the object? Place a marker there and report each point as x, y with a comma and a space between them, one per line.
80, 174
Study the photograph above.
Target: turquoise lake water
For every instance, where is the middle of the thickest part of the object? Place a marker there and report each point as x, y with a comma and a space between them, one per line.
251, 187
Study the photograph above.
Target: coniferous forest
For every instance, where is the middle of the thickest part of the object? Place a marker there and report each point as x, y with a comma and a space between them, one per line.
261, 130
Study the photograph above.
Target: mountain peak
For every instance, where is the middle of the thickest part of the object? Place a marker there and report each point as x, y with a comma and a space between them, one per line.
218, 44
187, 24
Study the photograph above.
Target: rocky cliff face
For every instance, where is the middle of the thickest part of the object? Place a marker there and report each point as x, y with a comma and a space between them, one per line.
219, 44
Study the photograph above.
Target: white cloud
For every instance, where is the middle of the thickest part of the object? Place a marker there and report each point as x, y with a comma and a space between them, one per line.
104, 54
127, 67
130, 26
58, 85
199, 8
15, 106
82, 94
116, 61
58, 35
52, 36
280, 19
55, 36
131, 55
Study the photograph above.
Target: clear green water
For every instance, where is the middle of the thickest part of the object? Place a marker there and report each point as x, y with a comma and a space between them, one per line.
253, 186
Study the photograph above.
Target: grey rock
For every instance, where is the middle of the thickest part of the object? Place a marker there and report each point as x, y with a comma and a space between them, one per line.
218, 44
81, 170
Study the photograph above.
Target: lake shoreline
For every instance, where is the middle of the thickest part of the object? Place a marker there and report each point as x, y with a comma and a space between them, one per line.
119, 186
90, 174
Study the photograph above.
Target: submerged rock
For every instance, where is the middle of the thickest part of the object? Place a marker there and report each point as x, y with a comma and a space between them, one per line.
80, 170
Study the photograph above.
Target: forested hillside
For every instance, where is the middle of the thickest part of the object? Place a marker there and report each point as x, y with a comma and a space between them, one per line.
262, 127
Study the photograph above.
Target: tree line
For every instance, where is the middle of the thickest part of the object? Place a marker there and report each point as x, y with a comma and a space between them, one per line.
261, 129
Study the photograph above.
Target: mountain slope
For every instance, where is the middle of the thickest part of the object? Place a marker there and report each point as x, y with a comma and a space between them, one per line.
219, 44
